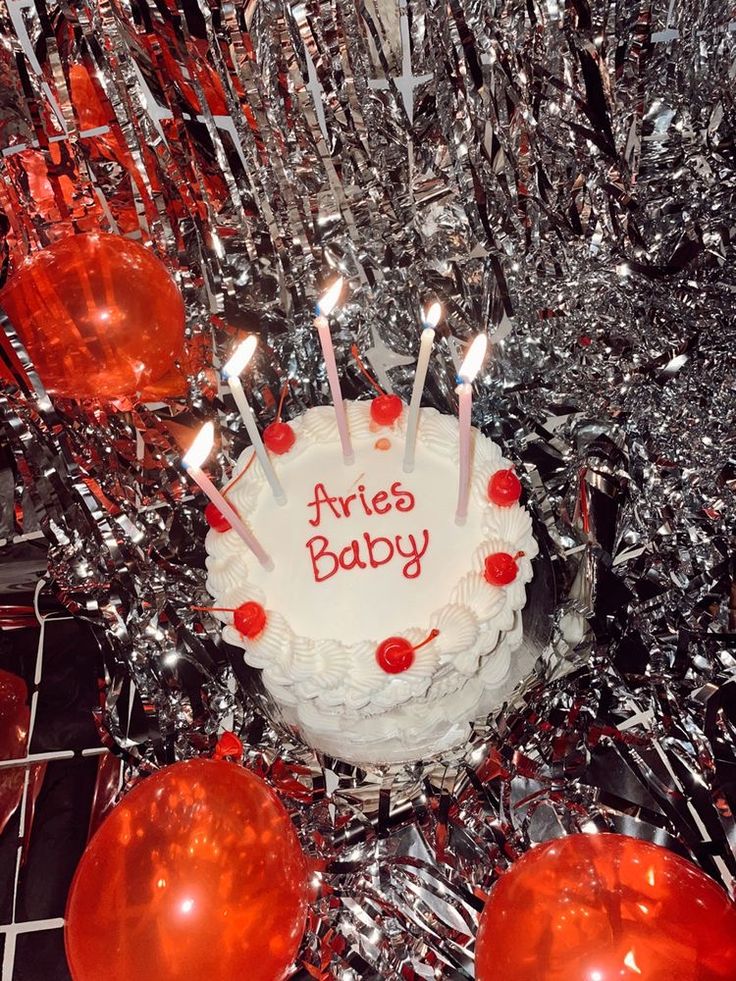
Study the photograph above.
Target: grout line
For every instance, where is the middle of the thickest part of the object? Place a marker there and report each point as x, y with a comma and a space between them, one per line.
8, 956
13, 928
58, 754
11, 931
32, 926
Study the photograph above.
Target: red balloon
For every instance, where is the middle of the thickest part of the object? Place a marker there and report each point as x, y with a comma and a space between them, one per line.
15, 718
197, 873
100, 317
606, 907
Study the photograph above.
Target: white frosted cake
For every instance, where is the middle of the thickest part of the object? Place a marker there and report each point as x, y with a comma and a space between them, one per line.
384, 628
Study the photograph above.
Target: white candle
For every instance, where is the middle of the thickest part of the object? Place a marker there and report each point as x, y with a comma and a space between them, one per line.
324, 308
468, 370
192, 463
431, 319
231, 372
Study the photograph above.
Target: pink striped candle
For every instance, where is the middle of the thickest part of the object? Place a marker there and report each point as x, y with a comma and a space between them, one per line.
466, 376
325, 306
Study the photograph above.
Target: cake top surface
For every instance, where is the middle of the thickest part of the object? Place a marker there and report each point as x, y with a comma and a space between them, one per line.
367, 539
365, 552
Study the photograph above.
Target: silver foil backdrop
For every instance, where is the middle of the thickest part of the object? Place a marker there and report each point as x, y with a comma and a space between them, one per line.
560, 175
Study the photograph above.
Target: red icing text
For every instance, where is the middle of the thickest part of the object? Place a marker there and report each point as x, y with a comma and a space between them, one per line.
342, 507
367, 550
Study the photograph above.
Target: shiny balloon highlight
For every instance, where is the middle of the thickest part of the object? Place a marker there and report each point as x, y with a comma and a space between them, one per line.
197, 873
606, 907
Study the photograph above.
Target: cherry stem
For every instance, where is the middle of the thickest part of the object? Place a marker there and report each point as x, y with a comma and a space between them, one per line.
520, 555
362, 368
428, 640
226, 490
284, 390
212, 609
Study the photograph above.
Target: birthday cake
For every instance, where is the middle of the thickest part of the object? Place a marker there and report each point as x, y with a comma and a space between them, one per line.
384, 628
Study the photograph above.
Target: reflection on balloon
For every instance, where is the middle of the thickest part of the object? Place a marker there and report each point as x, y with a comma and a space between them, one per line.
14, 721
100, 317
606, 907
196, 874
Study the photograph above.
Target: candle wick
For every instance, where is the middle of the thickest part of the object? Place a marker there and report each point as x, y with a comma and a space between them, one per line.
362, 369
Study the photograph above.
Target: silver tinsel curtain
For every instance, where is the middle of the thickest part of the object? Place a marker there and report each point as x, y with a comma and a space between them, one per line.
559, 175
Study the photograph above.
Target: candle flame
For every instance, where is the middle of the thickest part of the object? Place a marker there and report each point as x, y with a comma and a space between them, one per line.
240, 357
473, 359
328, 301
201, 447
432, 315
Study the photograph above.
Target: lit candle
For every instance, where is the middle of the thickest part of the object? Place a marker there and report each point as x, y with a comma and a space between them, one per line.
468, 370
192, 462
231, 372
325, 306
431, 319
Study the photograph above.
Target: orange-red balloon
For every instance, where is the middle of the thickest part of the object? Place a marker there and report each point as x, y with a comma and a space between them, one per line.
100, 317
196, 874
14, 721
606, 907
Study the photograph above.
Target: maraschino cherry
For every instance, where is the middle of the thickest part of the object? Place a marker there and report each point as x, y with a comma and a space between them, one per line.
396, 654
216, 519
250, 619
385, 409
501, 568
279, 437
504, 488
